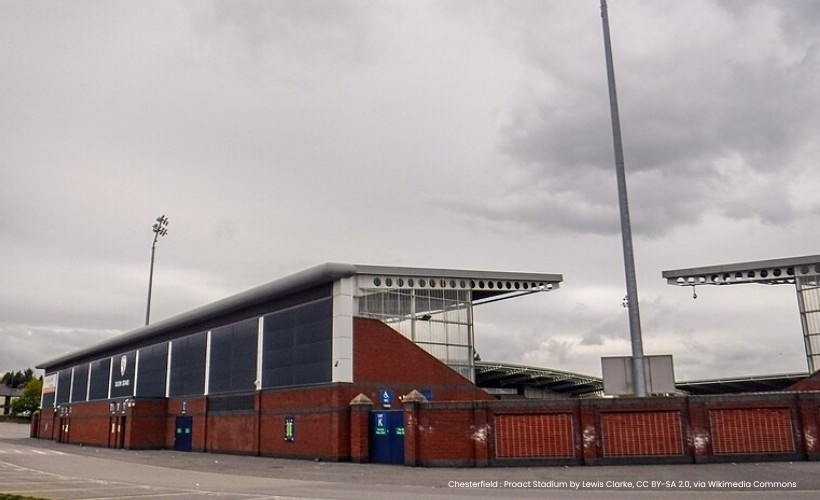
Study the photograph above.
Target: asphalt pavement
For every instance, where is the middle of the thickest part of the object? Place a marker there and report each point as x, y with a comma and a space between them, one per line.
45, 469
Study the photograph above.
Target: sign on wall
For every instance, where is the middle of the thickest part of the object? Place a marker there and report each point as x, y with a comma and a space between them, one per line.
289, 429
50, 384
386, 397
122, 374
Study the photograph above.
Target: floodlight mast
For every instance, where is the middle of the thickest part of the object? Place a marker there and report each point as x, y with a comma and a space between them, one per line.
160, 229
638, 375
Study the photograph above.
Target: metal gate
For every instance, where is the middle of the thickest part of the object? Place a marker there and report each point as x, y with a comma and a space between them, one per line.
182, 437
387, 437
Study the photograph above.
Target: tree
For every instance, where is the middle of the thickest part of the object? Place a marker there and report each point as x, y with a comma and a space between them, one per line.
18, 379
30, 400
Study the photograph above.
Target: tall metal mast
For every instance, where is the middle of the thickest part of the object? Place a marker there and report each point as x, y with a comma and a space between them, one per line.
160, 229
638, 375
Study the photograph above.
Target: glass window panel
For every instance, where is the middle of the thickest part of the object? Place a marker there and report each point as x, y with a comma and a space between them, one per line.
458, 353
439, 351
813, 322
458, 335
429, 316
466, 371
811, 299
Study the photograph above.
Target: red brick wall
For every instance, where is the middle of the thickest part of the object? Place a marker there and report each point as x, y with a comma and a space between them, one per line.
321, 421
145, 424
384, 358
445, 433
641, 433
48, 424
45, 424
534, 435
311, 433
763, 430
611, 431
360, 433
233, 433
89, 423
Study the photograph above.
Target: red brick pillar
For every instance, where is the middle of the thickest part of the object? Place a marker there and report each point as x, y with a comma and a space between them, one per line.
360, 407
590, 436
412, 403
699, 432
481, 435
808, 406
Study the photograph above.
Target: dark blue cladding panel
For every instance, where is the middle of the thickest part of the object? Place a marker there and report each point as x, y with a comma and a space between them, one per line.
79, 386
188, 366
233, 357
297, 345
63, 386
152, 371
100, 373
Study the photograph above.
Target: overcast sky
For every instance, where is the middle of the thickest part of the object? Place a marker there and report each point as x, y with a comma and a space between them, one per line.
457, 134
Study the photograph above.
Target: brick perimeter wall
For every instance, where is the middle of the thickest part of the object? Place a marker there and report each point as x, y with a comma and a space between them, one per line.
641, 433
534, 436
750, 427
765, 430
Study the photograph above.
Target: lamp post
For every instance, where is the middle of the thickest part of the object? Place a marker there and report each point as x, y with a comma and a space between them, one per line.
626, 227
159, 230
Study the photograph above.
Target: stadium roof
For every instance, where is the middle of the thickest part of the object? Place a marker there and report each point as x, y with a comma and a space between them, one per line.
507, 376
486, 286
770, 272
504, 375
762, 383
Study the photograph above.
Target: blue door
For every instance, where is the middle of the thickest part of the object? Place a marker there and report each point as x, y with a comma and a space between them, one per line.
182, 436
387, 437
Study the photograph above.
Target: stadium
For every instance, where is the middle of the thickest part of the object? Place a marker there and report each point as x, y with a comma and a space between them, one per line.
364, 363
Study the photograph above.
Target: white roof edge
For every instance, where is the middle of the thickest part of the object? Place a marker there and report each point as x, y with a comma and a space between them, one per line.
457, 273
742, 266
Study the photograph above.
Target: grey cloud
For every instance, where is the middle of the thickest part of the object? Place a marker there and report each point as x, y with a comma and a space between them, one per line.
277, 135
609, 328
318, 30
26, 345
684, 116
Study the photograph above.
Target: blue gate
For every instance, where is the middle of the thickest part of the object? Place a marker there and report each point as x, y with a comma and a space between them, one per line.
387, 437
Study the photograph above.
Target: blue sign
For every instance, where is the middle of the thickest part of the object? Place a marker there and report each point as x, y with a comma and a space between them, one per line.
386, 395
428, 394
381, 424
